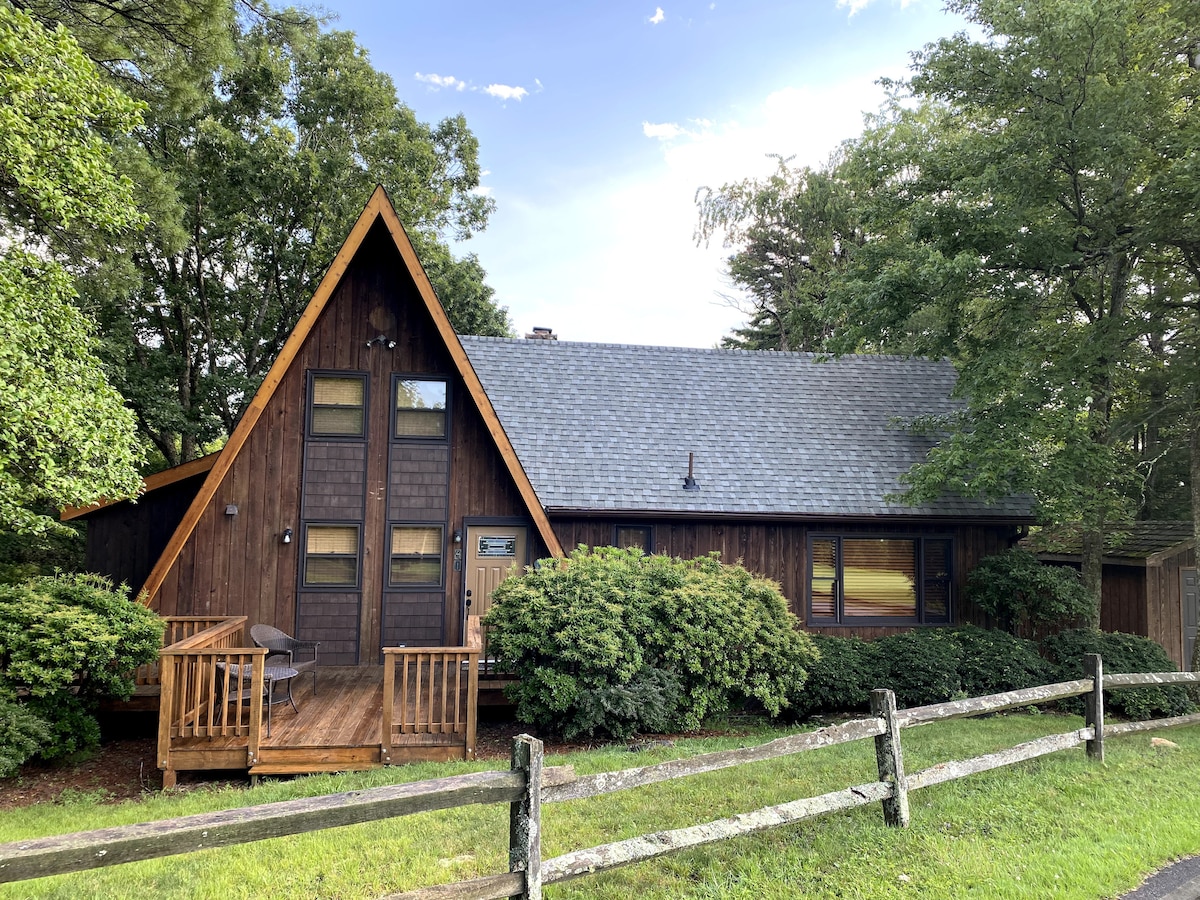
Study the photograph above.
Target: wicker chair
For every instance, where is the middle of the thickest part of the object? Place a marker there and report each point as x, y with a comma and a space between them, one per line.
284, 645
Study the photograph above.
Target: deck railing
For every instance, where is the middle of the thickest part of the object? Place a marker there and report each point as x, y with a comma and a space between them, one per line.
430, 695
194, 699
178, 628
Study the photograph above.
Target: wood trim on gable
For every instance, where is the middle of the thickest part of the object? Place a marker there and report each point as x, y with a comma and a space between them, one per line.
378, 207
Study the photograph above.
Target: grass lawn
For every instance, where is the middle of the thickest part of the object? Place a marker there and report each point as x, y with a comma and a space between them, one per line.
1055, 827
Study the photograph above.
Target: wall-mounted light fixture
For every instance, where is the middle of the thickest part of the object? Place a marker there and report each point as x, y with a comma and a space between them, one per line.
231, 509
457, 537
382, 340
287, 536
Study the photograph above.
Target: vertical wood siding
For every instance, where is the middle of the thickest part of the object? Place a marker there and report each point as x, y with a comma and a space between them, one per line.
779, 552
237, 565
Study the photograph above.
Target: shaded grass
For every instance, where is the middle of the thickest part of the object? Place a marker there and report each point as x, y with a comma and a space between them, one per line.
1059, 826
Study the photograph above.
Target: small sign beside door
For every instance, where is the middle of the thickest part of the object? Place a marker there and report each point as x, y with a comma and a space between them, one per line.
491, 546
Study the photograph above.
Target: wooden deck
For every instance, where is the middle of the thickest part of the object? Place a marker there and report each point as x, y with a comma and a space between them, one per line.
420, 705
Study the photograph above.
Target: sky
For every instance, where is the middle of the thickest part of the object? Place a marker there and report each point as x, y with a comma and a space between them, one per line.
599, 121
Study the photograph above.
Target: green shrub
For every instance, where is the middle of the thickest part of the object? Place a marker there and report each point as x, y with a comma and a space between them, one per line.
22, 734
615, 642
1120, 653
994, 661
1014, 588
921, 666
841, 678
66, 642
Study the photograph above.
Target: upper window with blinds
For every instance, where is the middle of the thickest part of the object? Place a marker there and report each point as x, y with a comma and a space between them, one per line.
420, 408
337, 405
886, 580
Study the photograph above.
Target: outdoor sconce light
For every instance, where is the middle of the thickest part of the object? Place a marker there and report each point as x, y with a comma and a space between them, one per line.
231, 509
458, 537
287, 535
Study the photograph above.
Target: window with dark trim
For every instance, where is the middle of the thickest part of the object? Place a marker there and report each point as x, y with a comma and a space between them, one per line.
331, 556
419, 408
640, 536
336, 405
416, 555
892, 580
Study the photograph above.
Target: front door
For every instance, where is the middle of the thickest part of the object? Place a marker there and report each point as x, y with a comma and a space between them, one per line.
492, 550
1188, 593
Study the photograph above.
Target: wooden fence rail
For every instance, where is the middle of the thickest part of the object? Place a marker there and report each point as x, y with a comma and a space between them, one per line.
527, 785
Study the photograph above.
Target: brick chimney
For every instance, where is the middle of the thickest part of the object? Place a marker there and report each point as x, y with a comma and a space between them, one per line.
542, 334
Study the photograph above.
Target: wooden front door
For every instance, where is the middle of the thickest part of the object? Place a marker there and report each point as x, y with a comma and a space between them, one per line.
492, 550
1188, 595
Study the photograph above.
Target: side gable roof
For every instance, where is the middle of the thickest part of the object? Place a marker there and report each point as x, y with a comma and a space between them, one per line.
610, 427
150, 483
1135, 544
379, 207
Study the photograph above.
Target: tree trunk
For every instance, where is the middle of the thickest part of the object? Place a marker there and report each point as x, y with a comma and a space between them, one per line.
1194, 472
1092, 569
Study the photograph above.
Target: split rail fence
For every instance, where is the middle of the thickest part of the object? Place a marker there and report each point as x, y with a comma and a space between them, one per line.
527, 785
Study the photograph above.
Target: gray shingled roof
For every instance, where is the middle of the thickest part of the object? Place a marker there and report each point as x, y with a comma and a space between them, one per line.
610, 426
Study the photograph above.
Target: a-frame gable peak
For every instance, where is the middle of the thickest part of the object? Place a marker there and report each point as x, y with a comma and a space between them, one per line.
379, 207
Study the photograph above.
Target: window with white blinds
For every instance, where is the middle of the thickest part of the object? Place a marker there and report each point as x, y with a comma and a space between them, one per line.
331, 556
416, 555
337, 405
893, 580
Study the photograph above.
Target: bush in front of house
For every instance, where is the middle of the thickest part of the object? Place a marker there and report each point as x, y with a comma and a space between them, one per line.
615, 642
1119, 653
1015, 589
921, 667
66, 641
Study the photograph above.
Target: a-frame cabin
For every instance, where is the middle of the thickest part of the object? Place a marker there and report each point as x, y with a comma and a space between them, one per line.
367, 498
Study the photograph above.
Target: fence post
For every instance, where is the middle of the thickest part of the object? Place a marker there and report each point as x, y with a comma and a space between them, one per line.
890, 759
525, 817
1093, 704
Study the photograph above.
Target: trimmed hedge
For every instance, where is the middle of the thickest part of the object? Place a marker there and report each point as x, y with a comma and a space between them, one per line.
616, 642
1120, 653
922, 667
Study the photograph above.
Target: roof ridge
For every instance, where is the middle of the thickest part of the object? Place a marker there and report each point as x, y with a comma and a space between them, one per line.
805, 354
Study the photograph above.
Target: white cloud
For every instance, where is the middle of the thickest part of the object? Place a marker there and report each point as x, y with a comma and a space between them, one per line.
857, 6
657, 17
664, 131
441, 81
505, 91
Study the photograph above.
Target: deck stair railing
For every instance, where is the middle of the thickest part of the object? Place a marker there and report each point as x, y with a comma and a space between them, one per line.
194, 699
432, 691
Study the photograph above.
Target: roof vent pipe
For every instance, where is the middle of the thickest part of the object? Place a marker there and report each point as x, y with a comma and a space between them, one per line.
689, 483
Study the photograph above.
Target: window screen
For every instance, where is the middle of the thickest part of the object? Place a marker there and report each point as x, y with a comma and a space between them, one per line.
420, 408
331, 556
337, 405
416, 556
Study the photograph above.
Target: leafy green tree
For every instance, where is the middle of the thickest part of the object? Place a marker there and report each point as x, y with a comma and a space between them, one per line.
793, 233
1023, 176
254, 187
65, 436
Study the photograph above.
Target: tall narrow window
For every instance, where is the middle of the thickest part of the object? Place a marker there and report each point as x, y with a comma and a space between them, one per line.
337, 404
331, 556
416, 556
824, 577
420, 408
